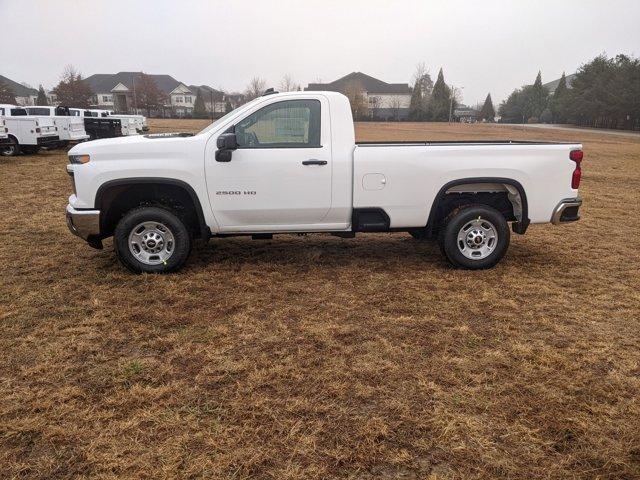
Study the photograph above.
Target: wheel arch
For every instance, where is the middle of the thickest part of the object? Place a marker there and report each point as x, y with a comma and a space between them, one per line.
109, 191
519, 226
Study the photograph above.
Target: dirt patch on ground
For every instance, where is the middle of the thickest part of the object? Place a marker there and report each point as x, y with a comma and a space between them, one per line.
316, 357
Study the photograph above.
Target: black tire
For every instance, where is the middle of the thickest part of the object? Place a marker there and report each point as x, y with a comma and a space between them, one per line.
181, 247
11, 149
461, 217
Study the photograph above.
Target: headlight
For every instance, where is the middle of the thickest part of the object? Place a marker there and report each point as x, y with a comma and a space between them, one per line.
79, 159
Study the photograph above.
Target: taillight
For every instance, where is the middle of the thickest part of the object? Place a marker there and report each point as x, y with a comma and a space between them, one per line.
576, 156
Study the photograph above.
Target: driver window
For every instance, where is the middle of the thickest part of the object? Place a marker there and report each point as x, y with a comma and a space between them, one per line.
287, 124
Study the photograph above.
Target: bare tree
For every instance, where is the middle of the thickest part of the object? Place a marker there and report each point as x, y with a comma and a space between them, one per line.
394, 105
148, 95
287, 84
256, 88
72, 89
356, 95
6, 93
374, 104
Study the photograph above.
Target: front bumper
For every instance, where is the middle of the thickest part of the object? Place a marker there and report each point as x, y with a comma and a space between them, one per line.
566, 211
5, 141
84, 223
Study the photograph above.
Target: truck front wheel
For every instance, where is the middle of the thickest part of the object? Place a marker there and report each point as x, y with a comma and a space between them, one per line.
152, 240
474, 237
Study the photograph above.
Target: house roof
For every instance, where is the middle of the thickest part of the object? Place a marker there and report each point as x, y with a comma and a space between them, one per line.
105, 82
551, 86
18, 90
206, 89
367, 83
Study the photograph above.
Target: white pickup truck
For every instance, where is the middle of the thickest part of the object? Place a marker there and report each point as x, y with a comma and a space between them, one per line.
289, 163
70, 128
27, 134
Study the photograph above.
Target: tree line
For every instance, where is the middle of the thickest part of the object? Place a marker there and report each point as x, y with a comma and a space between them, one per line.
604, 92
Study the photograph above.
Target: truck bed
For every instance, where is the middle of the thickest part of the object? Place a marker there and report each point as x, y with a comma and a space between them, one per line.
422, 143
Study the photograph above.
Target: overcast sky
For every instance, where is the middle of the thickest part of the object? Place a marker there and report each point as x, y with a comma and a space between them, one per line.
485, 46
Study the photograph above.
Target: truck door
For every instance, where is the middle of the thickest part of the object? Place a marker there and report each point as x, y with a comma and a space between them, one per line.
279, 178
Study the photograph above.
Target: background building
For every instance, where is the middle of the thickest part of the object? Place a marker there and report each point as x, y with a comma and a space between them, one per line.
381, 100
24, 95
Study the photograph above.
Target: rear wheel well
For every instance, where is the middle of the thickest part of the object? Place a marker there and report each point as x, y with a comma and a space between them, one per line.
504, 195
115, 200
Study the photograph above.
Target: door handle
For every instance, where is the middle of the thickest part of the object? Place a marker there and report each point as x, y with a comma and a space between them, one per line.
314, 162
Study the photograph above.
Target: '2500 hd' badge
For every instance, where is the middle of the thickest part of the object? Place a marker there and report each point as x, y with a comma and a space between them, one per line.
236, 192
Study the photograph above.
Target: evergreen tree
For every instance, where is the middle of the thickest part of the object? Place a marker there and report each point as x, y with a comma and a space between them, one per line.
440, 101
487, 112
559, 101
42, 97
6, 94
199, 109
539, 97
416, 105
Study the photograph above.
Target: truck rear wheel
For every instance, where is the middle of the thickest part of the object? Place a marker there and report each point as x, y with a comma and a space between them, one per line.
11, 149
474, 237
152, 240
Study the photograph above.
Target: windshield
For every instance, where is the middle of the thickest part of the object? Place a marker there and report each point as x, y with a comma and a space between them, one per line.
223, 119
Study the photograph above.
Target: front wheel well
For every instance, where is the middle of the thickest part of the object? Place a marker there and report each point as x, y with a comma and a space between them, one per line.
115, 199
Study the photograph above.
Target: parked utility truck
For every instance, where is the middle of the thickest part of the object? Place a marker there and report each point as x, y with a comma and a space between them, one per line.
140, 120
129, 124
70, 129
289, 163
97, 127
27, 134
4, 133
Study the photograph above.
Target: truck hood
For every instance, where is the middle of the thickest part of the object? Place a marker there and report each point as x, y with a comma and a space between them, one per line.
131, 145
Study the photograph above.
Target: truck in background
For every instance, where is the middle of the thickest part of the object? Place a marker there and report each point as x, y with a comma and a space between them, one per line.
97, 127
70, 129
27, 134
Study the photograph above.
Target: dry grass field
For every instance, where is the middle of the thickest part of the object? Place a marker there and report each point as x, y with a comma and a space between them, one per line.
318, 357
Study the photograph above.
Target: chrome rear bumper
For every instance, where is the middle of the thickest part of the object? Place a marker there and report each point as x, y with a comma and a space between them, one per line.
566, 211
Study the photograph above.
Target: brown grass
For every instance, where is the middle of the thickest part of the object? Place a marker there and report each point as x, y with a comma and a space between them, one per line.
318, 357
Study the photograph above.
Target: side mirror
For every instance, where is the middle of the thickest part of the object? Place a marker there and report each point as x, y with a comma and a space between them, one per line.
227, 141
223, 155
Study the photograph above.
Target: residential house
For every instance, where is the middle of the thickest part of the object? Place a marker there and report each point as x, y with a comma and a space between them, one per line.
215, 101
385, 101
118, 92
25, 95
465, 114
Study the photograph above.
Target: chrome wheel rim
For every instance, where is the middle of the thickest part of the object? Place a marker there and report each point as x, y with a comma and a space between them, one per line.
152, 243
477, 239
